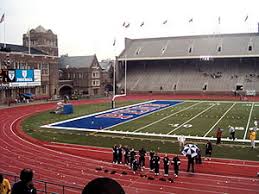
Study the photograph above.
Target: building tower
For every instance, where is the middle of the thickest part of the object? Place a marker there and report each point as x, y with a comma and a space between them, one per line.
42, 39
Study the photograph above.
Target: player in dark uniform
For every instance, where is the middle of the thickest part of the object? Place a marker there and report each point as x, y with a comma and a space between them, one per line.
114, 148
135, 165
119, 154
126, 155
142, 154
151, 155
176, 162
132, 156
166, 165
156, 162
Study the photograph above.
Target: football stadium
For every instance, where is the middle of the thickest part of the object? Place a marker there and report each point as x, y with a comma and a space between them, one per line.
180, 115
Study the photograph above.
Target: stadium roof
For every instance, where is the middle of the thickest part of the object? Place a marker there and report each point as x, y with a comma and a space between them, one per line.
77, 61
191, 47
20, 49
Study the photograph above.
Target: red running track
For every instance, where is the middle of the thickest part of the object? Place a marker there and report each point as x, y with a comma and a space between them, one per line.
75, 165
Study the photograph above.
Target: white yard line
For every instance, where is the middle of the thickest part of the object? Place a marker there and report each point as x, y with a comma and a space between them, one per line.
249, 118
165, 117
219, 119
191, 119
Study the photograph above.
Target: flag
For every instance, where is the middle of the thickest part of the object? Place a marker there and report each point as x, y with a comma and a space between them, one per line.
127, 25
218, 20
114, 42
164, 22
2, 19
142, 24
246, 18
190, 20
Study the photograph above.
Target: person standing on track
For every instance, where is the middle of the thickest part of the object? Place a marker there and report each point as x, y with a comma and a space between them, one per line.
190, 163
151, 156
142, 154
156, 162
126, 154
5, 187
166, 165
114, 149
176, 162
208, 150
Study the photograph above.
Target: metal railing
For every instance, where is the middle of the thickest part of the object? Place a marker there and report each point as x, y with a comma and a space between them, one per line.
47, 187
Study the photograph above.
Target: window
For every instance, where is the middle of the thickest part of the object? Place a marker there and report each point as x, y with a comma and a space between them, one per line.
95, 74
250, 48
95, 82
44, 89
219, 48
44, 69
80, 75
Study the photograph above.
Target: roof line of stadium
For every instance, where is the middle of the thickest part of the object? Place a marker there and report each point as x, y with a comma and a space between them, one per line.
191, 36
185, 57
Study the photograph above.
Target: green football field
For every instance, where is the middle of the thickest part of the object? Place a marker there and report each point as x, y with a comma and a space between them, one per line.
196, 118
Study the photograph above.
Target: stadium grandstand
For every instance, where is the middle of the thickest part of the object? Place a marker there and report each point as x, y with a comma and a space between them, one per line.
217, 63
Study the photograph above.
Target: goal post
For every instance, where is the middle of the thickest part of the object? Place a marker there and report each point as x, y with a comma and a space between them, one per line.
114, 96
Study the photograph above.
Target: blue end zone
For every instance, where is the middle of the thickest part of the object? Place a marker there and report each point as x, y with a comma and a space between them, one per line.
111, 118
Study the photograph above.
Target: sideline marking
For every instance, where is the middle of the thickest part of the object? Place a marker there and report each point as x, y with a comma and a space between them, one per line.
165, 117
220, 119
191, 119
248, 121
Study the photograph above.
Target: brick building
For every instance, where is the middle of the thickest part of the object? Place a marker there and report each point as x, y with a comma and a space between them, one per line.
82, 75
41, 55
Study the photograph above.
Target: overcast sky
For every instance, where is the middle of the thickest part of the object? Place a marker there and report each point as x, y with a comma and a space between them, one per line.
86, 27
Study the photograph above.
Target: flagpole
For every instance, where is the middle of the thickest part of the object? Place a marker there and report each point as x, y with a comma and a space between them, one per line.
29, 39
4, 34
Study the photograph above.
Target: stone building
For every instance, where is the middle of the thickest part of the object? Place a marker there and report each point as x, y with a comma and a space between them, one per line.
42, 39
39, 56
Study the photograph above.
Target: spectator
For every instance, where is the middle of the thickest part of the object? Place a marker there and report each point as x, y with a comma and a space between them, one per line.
142, 154
218, 135
190, 163
166, 165
25, 185
176, 162
232, 132
5, 187
208, 150
252, 137
103, 186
